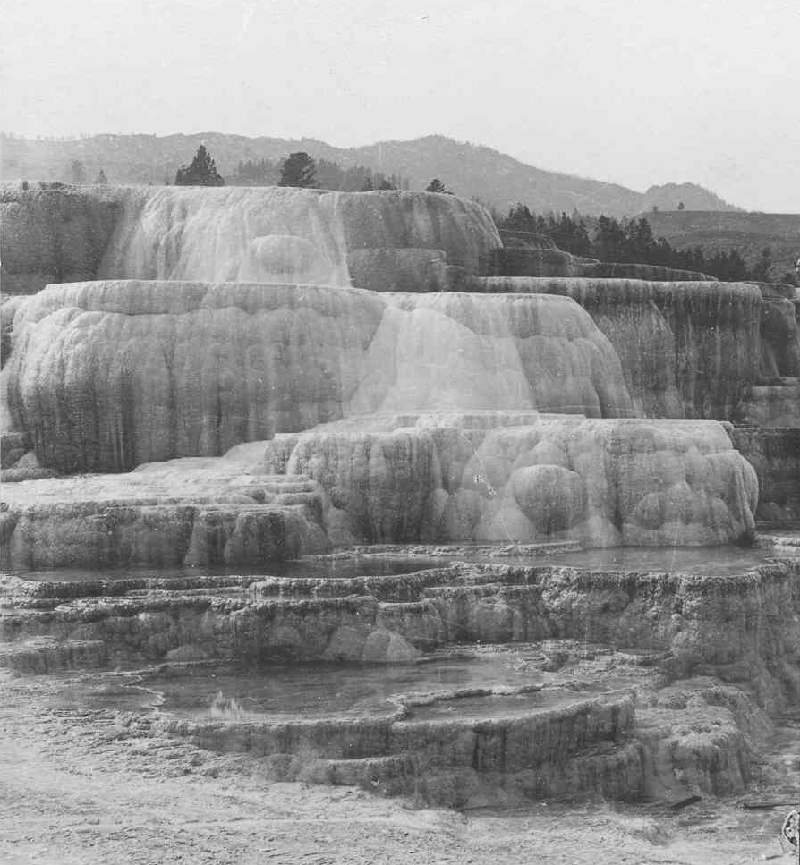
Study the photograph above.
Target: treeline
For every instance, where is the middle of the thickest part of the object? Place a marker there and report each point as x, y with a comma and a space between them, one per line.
626, 241
325, 174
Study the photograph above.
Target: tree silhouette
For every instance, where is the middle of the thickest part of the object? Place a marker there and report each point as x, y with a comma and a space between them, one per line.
264, 172
436, 185
629, 241
298, 169
202, 171
101, 178
761, 269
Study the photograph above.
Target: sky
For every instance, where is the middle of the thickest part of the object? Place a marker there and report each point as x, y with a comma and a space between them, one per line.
631, 91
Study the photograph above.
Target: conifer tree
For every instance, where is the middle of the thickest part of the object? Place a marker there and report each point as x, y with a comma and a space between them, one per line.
298, 169
436, 185
202, 171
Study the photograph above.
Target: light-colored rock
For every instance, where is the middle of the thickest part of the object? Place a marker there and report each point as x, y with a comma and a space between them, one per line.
226, 233
387, 647
635, 482
687, 349
204, 512
108, 375
462, 229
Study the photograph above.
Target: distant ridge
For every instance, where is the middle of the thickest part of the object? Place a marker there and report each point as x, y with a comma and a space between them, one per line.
747, 233
473, 171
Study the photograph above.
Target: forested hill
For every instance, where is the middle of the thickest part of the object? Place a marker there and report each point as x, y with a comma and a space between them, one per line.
494, 178
748, 233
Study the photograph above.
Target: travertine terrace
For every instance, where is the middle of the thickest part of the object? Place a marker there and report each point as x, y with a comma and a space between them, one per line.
290, 432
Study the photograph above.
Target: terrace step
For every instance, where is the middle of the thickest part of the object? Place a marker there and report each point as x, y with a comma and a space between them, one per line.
49, 655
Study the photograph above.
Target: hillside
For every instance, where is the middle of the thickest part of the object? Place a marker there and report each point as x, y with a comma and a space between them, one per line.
469, 170
749, 233
670, 196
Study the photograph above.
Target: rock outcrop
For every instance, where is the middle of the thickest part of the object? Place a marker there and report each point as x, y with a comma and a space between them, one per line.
192, 512
589, 693
772, 405
688, 349
524, 479
541, 259
647, 272
462, 229
54, 235
399, 269
510, 477
774, 453
9, 304
741, 628
780, 333
237, 234
107, 375
527, 261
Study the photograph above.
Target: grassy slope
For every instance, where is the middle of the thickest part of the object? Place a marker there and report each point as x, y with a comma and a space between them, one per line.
747, 232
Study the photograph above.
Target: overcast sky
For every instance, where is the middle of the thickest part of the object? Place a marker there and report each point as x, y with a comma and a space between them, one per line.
631, 91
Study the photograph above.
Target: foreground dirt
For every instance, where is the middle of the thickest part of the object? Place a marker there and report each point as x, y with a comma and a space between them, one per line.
77, 787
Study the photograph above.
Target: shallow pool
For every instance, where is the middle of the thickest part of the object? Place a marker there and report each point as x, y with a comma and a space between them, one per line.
320, 567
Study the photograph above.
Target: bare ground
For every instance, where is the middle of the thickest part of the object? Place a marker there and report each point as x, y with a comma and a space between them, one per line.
78, 787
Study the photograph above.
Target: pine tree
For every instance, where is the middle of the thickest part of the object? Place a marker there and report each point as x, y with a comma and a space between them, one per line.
761, 269
202, 171
436, 185
609, 240
329, 175
298, 169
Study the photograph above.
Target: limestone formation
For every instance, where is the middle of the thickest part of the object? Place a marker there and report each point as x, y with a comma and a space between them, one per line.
774, 453
688, 349
667, 706
272, 411
193, 512
54, 235
601, 482
9, 304
524, 261
744, 628
107, 375
411, 220
267, 234
507, 477
648, 272
399, 269
780, 335
772, 405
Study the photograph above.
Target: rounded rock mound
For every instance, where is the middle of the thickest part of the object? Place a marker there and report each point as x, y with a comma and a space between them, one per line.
551, 497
